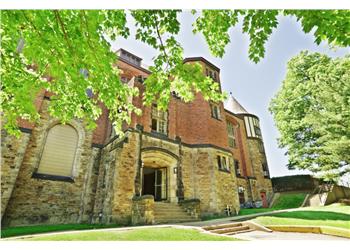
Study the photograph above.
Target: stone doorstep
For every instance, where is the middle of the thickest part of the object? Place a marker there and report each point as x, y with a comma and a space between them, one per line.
109, 230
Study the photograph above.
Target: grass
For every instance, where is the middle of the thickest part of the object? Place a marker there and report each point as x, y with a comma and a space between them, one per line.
25, 230
289, 200
335, 215
145, 234
285, 201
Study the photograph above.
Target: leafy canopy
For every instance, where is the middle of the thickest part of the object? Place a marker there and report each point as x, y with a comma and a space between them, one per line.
67, 53
312, 113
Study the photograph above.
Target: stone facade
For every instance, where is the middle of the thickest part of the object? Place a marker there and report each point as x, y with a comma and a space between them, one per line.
113, 178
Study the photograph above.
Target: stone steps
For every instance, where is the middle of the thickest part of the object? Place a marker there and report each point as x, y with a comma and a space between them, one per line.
170, 213
229, 228
213, 227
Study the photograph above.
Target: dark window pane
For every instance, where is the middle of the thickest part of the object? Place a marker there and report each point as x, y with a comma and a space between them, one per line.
154, 124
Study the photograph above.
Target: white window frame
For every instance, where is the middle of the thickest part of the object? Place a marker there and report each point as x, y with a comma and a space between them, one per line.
224, 162
161, 118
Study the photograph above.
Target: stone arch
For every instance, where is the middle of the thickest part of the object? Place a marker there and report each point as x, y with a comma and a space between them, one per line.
78, 127
156, 159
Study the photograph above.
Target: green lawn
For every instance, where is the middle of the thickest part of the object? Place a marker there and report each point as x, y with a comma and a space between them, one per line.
335, 215
25, 230
145, 234
289, 200
247, 211
285, 201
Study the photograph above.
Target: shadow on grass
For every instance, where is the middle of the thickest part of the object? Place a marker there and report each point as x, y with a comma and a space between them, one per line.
35, 229
313, 215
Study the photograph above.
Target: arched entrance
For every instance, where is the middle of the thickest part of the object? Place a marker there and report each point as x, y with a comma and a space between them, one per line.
159, 174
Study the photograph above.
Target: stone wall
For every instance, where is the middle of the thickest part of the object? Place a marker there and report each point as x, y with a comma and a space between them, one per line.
12, 154
43, 201
192, 207
203, 180
261, 183
123, 183
142, 210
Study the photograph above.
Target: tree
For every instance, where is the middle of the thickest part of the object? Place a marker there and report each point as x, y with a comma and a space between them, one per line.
312, 113
66, 52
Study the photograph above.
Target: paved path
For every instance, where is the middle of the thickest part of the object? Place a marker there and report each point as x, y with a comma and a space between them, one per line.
259, 235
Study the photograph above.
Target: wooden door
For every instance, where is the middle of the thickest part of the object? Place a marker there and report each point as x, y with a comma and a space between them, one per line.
263, 199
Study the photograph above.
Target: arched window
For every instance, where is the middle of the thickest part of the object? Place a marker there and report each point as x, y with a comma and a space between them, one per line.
59, 151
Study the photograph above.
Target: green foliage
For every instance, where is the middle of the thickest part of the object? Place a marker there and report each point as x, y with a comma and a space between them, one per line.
328, 25
294, 183
66, 52
312, 113
57, 46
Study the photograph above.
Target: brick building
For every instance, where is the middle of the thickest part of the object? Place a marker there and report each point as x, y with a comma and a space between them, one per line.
199, 157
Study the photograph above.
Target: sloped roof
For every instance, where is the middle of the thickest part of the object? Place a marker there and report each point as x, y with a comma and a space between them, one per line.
234, 106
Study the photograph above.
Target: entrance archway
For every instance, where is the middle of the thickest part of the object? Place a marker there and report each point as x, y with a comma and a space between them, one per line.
159, 176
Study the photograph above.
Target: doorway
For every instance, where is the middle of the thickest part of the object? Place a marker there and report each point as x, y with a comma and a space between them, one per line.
263, 199
155, 183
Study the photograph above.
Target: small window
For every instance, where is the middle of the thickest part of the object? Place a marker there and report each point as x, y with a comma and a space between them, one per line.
237, 168
261, 147
223, 163
211, 73
113, 133
215, 111
231, 135
59, 151
257, 131
265, 170
159, 120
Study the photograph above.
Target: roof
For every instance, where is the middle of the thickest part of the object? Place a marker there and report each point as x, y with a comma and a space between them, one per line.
234, 106
195, 59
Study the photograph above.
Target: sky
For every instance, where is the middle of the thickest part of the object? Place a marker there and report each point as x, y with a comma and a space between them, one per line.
253, 85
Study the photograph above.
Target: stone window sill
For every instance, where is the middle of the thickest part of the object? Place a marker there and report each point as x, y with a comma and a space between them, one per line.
218, 119
158, 134
224, 170
52, 177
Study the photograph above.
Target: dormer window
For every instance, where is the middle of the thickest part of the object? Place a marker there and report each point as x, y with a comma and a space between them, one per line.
127, 56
